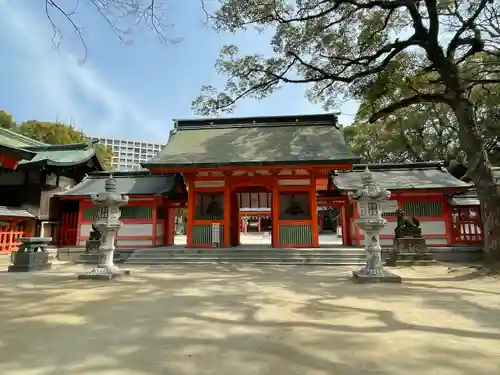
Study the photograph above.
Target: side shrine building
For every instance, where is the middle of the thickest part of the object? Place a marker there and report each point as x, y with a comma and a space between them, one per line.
31, 172
283, 173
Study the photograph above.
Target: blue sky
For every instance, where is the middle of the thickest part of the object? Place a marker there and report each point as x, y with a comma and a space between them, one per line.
121, 91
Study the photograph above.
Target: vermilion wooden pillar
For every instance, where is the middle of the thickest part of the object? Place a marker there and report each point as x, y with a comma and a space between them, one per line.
235, 221
346, 225
275, 214
169, 226
81, 209
227, 213
155, 223
190, 213
447, 215
314, 212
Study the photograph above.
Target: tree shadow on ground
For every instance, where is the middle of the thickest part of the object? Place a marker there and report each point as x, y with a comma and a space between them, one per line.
245, 320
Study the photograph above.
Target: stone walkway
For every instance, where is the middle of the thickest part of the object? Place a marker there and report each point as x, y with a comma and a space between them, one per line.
247, 320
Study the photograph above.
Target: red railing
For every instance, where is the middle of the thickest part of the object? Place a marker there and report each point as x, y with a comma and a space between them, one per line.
9, 237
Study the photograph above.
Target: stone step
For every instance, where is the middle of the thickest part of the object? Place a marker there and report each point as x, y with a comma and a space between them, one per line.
253, 255
244, 256
162, 261
411, 262
247, 252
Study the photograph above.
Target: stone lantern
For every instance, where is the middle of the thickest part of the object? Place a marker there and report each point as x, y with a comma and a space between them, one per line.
370, 197
108, 225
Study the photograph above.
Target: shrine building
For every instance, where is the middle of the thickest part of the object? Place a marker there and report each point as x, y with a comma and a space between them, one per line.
31, 172
289, 175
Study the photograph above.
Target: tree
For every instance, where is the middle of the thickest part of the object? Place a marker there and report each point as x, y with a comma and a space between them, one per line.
122, 16
6, 120
55, 133
421, 133
391, 54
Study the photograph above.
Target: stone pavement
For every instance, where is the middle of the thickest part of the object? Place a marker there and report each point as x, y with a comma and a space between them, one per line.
248, 320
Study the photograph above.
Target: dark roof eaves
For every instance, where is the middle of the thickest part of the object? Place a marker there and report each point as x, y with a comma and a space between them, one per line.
154, 194
119, 174
398, 166
348, 160
255, 121
67, 147
399, 188
22, 153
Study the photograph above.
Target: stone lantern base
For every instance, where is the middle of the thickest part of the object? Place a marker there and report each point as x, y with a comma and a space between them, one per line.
371, 276
103, 273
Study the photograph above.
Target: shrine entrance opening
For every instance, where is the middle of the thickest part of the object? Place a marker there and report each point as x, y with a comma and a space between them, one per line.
251, 216
334, 222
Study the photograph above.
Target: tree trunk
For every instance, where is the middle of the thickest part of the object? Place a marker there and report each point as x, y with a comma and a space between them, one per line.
481, 173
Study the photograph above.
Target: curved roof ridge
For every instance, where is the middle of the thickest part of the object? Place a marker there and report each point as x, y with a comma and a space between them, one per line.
22, 137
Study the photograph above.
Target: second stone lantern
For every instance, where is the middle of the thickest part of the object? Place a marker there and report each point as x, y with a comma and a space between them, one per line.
370, 197
108, 224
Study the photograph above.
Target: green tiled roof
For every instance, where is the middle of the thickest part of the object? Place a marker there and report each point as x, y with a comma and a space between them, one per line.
35, 152
14, 212
415, 176
130, 183
61, 155
311, 139
13, 139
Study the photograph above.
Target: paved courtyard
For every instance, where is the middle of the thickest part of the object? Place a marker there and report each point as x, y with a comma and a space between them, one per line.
248, 320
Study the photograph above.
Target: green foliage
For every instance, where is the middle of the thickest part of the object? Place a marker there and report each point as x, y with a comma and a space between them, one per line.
6, 120
105, 155
53, 133
423, 132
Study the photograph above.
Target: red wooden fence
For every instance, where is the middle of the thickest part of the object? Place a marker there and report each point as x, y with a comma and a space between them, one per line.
68, 229
9, 237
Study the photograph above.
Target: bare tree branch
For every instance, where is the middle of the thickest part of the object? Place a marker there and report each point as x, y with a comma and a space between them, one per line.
121, 16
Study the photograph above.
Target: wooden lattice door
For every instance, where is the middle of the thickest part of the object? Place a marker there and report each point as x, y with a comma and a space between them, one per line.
467, 225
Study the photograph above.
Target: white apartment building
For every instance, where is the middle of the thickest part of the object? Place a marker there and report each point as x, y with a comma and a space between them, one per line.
128, 155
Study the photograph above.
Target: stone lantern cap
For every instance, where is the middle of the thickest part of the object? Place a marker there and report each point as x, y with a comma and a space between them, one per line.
369, 189
110, 184
110, 197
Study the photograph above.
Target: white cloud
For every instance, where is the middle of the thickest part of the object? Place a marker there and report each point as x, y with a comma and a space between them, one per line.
63, 87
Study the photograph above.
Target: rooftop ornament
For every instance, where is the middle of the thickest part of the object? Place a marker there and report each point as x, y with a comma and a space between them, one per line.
108, 225
369, 197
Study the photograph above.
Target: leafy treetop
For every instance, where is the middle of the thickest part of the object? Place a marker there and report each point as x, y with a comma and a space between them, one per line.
6, 120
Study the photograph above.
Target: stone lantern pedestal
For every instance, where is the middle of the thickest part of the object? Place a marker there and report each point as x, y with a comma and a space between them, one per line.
108, 225
369, 198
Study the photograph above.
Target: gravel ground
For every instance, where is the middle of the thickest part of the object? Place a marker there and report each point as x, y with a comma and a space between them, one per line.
249, 320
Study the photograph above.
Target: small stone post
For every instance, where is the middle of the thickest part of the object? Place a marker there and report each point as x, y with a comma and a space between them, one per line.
369, 198
108, 224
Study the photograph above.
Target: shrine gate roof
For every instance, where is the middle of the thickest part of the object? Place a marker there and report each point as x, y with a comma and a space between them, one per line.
130, 183
415, 176
255, 141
